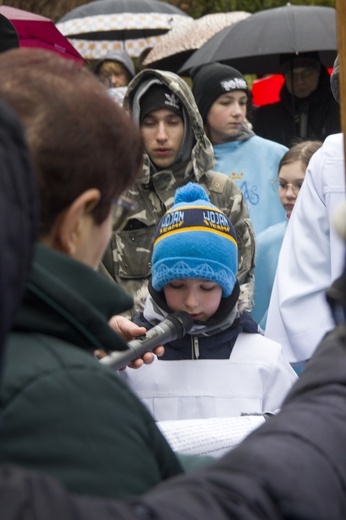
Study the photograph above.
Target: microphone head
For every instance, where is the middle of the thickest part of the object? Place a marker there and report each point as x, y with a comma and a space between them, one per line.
182, 322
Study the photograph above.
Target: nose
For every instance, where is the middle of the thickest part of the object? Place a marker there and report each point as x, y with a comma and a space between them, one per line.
114, 80
290, 192
299, 81
237, 111
191, 300
161, 134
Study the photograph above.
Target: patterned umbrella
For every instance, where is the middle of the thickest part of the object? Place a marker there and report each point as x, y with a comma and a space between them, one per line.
33, 30
175, 47
105, 25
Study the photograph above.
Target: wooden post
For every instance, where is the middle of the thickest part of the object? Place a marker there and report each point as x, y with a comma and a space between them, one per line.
341, 33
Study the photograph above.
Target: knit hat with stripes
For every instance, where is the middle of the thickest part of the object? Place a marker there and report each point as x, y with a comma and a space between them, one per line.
194, 239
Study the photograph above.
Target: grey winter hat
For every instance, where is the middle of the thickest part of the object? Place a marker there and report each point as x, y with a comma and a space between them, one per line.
212, 80
334, 80
119, 57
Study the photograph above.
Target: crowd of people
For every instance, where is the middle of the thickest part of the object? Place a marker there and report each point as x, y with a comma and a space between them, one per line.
134, 196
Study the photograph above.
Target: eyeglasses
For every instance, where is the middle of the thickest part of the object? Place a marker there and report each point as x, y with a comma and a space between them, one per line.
282, 186
123, 208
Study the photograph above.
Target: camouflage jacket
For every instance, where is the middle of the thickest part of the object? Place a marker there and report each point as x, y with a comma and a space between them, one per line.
129, 256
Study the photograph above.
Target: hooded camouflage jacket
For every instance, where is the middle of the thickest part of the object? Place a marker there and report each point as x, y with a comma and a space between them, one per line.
129, 255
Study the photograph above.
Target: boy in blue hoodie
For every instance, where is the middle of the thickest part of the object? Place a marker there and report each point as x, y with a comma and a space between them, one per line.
224, 99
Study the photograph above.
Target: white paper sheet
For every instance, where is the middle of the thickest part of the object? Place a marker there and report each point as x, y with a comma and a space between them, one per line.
213, 437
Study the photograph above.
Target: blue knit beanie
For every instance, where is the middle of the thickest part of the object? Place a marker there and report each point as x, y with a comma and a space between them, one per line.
194, 239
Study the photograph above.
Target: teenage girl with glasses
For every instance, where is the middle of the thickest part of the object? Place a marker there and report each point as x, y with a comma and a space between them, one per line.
292, 168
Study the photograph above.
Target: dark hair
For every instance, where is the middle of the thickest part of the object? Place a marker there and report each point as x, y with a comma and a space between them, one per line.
79, 138
302, 151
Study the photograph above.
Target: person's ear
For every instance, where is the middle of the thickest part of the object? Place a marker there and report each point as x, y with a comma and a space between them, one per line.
72, 223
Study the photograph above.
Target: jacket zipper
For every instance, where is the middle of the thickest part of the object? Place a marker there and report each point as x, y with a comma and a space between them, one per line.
195, 347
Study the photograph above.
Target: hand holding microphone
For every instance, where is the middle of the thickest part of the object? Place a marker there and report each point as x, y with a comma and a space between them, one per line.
174, 326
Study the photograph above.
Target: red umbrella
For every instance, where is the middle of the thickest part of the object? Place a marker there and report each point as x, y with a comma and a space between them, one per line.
37, 31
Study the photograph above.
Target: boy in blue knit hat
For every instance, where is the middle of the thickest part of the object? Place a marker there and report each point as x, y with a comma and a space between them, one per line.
195, 256
225, 367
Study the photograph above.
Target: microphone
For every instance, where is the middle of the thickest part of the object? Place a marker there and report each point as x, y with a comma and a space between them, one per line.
174, 326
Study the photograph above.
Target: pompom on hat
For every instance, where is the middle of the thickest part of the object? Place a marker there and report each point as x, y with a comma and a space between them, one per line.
194, 239
212, 80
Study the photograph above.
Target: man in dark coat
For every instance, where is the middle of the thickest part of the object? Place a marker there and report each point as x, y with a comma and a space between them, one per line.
294, 467
307, 108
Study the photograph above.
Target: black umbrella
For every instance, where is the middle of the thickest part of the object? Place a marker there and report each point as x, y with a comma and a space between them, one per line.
105, 25
253, 45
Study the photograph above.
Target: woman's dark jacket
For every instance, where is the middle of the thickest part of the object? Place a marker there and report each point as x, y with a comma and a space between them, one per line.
61, 411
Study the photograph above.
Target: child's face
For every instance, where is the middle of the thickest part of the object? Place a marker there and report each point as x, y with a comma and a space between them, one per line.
114, 73
226, 116
290, 180
199, 298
